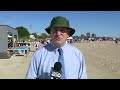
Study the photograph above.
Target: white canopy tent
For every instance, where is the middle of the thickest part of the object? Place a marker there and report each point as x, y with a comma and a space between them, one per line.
9, 36
70, 38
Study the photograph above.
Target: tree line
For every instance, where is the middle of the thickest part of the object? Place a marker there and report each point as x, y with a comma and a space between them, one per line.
23, 33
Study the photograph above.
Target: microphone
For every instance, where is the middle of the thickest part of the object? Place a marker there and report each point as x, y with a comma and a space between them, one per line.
56, 71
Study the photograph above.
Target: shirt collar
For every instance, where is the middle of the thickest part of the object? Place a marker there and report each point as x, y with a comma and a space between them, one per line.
55, 48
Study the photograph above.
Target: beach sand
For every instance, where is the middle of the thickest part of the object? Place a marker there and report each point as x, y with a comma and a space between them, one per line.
102, 61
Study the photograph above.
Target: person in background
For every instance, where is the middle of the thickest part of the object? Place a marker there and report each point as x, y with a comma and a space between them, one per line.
72, 59
116, 41
36, 44
23, 40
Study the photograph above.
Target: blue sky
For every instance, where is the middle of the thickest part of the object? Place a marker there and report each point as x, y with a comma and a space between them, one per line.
102, 23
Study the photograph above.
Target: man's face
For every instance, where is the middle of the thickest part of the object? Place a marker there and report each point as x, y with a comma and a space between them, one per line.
59, 36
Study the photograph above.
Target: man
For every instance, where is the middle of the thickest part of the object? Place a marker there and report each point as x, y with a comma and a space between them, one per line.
45, 58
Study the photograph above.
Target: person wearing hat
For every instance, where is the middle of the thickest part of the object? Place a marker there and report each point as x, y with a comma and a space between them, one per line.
71, 60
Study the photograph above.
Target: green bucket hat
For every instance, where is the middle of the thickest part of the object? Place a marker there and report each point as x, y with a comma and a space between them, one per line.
60, 21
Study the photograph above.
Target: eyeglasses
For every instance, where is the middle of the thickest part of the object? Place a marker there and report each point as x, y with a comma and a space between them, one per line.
62, 30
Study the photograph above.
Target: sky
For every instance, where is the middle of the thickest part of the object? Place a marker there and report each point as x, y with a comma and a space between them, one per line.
102, 23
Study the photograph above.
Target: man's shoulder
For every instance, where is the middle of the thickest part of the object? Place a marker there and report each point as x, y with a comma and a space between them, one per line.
44, 48
73, 47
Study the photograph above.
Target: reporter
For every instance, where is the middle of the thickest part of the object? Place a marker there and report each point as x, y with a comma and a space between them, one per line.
73, 63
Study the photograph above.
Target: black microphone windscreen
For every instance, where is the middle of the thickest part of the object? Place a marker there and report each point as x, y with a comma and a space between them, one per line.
57, 66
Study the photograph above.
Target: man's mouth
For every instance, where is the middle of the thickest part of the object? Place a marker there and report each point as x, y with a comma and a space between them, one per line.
58, 38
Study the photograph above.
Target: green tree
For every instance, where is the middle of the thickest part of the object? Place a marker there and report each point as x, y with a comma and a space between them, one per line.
44, 36
23, 33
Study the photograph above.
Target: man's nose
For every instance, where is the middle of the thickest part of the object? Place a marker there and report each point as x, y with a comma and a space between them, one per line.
58, 32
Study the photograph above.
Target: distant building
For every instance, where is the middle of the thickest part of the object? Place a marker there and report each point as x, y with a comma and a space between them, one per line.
93, 35
88, 34
32, 37
8, 36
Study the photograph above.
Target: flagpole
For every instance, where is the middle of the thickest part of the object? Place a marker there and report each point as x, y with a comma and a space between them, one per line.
31, 28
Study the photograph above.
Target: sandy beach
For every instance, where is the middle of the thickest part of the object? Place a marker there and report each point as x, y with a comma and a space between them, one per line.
102, 61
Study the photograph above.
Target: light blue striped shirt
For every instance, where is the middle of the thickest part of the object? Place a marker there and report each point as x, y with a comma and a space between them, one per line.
44, 58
